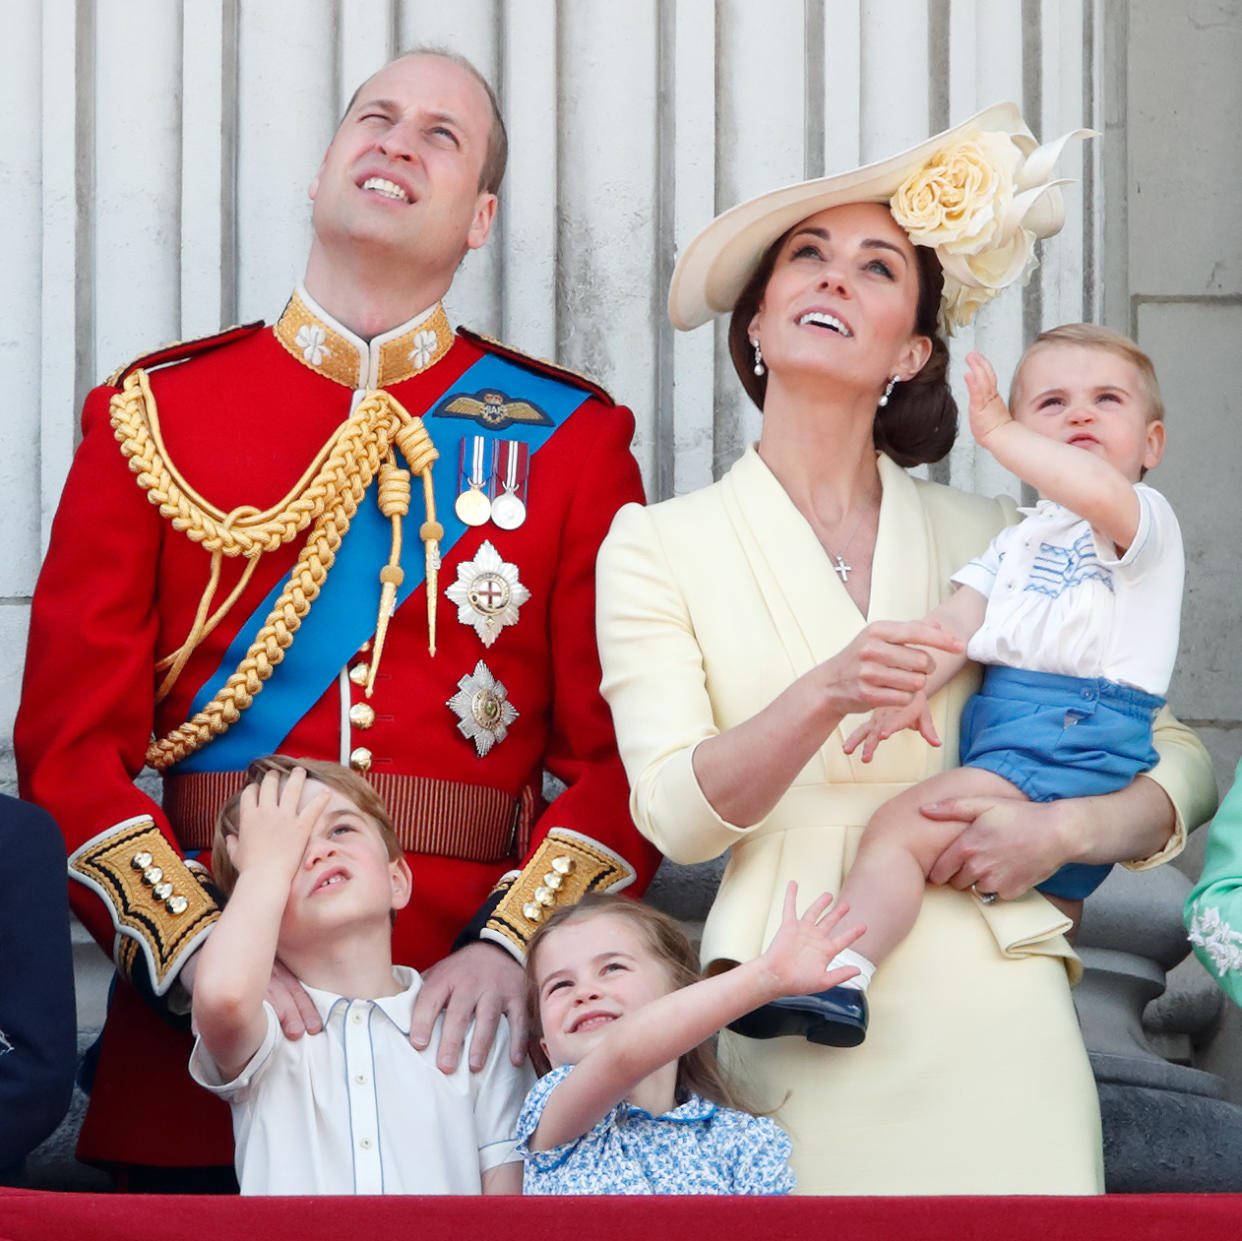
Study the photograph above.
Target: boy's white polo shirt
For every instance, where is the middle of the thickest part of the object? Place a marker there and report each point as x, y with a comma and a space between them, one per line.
357, 1110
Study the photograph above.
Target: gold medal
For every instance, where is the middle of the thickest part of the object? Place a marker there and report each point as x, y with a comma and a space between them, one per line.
473, 506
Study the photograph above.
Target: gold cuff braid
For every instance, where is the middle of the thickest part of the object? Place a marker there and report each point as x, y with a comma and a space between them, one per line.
565, 867
325, 498
157, 904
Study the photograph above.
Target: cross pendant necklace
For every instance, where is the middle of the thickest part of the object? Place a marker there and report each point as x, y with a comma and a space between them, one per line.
840, 566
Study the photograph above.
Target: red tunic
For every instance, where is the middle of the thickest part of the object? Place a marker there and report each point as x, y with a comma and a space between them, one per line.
242, 421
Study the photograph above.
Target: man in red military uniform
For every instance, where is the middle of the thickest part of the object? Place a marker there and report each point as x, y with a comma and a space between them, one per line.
354, 535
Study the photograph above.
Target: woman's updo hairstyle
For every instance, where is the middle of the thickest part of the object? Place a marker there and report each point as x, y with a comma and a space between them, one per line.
919, 423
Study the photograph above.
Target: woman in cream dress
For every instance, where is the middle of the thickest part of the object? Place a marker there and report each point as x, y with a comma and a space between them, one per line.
744, 628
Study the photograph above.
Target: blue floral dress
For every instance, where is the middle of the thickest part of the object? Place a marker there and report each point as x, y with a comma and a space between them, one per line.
697, 1148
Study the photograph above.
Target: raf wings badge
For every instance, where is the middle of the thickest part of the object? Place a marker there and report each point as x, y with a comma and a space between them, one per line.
493, 410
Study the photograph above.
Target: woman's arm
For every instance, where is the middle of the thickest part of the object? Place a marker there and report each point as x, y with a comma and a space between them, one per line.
1214, 908
747, 769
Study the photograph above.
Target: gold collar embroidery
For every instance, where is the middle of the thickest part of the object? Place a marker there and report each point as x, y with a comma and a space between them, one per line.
389, 359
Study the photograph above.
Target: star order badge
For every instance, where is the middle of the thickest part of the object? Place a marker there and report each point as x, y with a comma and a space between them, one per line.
487, 593
483, 709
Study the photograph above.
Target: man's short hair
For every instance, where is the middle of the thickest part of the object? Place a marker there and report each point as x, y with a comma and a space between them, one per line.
333, 775
497, 156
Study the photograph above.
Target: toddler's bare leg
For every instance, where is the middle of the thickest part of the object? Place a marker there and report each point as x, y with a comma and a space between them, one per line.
884, 887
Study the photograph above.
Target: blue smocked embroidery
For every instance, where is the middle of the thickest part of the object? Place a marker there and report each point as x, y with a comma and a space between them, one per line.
1058, 569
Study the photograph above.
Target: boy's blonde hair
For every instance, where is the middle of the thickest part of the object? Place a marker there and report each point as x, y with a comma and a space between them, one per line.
352, 785
697, 1070
1091, 336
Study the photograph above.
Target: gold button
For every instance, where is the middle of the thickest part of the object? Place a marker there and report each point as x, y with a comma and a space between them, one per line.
162, 891
545, 896
365, 647
141, 860
152, 875
562, 865
553, 880
532, 912
362, 715
360, 758
358, 673
177, 905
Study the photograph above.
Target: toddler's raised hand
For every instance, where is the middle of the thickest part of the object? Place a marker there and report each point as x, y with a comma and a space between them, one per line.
885, 721
272, 829
803, 947
987, 410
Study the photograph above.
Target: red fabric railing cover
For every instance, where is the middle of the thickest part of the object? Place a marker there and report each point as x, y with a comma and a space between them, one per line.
31, 1216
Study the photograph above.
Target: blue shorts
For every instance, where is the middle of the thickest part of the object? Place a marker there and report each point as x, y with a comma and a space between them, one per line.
1056, 736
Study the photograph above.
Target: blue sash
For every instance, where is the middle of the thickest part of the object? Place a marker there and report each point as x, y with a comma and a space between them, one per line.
343, 616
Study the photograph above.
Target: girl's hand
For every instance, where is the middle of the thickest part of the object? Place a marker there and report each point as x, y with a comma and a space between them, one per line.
987, 410
884, 666
885, 721
798, 957
273, 831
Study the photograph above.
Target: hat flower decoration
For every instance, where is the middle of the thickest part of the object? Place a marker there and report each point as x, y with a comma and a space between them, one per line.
980, 194
970, 202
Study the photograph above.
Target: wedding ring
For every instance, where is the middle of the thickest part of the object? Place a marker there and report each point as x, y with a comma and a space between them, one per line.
984, 898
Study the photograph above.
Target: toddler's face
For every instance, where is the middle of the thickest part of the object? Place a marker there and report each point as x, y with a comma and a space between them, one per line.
588, 974
1092, 399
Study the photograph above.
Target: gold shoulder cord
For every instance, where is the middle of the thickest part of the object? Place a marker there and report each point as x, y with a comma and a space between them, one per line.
324, 498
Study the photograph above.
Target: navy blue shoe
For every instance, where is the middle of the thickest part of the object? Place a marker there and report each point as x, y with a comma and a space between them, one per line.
834, 1018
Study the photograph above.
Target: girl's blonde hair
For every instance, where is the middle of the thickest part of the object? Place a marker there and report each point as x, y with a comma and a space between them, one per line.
697, 1070
228, 817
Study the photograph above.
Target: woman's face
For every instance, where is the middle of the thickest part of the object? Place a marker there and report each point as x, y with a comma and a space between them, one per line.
840, 303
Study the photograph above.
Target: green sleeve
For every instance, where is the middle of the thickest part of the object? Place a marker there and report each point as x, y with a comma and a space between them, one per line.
1214, 908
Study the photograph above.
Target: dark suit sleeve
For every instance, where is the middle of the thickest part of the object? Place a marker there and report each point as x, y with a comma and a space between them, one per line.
37, 1017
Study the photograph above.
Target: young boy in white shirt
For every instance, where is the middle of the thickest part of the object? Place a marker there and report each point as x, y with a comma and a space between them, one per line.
315, 874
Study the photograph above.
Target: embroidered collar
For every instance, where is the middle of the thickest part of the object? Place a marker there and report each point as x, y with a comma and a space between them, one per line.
330, 349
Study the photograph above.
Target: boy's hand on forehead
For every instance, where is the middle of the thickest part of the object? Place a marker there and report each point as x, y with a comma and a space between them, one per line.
273, 825
987, 410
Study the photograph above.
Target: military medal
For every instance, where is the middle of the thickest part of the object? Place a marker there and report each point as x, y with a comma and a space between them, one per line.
473, 505
487, 593
483, 709
512, 469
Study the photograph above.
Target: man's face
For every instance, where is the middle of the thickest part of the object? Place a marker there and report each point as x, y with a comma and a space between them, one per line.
402, 172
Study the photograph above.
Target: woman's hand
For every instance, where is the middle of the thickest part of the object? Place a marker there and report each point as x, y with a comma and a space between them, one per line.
883, 666
1006, 845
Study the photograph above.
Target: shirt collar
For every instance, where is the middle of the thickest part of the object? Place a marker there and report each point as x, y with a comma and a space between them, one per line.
694, 1108
330, 349
397, 1008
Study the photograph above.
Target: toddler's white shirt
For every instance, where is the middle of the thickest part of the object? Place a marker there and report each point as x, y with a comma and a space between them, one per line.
357, 1110
1059, 602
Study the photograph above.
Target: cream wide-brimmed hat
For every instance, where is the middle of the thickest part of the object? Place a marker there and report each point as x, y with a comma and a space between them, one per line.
979, 194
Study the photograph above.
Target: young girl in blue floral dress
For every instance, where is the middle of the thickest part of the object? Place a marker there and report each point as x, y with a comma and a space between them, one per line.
634, 1103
